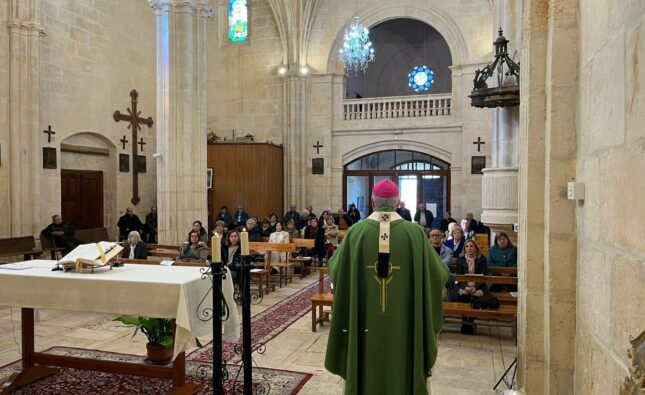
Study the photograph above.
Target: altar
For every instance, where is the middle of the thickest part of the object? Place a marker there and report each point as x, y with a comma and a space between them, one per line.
142, 290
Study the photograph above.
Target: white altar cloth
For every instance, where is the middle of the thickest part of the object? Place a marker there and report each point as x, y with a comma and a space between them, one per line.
140, 290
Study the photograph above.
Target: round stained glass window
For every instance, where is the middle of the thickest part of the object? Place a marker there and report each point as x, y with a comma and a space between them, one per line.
420, 78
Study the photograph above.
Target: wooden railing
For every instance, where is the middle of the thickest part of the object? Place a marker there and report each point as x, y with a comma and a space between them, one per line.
397, 107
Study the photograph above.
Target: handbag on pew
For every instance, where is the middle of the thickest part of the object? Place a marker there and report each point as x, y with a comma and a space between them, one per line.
485, 302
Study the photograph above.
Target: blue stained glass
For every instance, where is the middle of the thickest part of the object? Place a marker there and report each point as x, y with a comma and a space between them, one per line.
420, 78
238, 20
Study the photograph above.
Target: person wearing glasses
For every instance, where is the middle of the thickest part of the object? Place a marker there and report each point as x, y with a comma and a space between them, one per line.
193, 250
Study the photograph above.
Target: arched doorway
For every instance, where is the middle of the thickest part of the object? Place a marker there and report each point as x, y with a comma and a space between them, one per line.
421, 178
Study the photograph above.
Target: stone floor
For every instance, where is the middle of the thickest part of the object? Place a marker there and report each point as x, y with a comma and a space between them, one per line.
465, 365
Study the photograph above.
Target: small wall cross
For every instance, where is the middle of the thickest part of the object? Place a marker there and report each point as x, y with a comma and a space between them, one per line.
124, 141
49, 132
318, 147
479, 143
141, 143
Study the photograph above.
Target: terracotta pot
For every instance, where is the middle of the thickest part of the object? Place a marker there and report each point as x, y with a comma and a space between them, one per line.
159, 355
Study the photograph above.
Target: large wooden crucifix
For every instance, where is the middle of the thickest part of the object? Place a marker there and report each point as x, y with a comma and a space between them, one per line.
135, 122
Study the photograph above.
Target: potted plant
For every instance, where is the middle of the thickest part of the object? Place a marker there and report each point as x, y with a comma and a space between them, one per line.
159, 332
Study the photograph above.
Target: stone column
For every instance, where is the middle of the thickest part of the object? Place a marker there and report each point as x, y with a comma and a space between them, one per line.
181, 115
295, 147
500, 179
547, 251
25, 161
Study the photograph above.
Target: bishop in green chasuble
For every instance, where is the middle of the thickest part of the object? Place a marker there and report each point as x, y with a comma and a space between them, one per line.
385, 323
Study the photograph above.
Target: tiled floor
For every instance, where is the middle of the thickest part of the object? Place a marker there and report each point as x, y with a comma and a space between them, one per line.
465, 365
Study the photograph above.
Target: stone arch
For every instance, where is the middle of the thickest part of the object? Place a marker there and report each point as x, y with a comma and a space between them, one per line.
384, 145
377, 13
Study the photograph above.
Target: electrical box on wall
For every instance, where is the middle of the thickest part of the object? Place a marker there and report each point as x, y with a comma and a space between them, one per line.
575, 190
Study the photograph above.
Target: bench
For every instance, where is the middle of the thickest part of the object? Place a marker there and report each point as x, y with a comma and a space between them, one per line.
283, 267
320, 300
48, 244
15, 246
482, 242
507, 311
92, 235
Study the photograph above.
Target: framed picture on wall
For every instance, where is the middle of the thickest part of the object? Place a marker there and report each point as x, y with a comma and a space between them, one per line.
209, 178
141, 164
124, 163
49, 158
477, 163
318, 166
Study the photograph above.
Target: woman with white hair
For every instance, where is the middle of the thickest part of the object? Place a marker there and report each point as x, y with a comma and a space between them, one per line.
135, 249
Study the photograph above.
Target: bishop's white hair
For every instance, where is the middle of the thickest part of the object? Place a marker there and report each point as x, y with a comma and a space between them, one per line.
379, 202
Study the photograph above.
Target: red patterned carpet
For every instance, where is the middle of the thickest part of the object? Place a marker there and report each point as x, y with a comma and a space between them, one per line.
84, 382
267, 324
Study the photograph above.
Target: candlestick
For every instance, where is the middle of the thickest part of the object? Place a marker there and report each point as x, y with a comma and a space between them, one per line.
216, 244
244, 241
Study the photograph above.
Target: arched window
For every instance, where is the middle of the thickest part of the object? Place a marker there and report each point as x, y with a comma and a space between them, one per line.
420, 177
238, 20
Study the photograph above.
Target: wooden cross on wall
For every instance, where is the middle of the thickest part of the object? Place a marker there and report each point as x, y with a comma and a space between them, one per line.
124, 141
479, 143
318, 147
49, 132
134, 125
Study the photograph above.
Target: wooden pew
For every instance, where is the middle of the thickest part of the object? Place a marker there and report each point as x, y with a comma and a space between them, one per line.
319, 300
93, 235
507, 311
48, 244
302, 261
482, 242
283, 267
15, 246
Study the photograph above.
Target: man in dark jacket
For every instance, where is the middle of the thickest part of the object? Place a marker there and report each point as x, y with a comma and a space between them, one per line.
128, 223
404, 212
62, 233
151, 225
423, 217
447, 218
292, 214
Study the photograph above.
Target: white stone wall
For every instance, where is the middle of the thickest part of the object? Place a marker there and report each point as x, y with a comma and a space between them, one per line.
244, 90
5, 221
92, 57
611, 159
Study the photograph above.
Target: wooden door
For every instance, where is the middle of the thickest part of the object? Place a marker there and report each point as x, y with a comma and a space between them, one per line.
82, 198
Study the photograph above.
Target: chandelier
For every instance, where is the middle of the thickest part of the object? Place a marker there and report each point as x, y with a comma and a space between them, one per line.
357, 49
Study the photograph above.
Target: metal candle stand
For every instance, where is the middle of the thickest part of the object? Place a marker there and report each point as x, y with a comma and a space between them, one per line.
215, 273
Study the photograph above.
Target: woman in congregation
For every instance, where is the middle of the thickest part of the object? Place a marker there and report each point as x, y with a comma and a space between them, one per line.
231, 253
314, 231
471, 261
199, 228
456, 244
135, 248
354, 214
266, 228
503, 254
220, 229
293, 231
280, 236
342, 220
193, 250
331, 236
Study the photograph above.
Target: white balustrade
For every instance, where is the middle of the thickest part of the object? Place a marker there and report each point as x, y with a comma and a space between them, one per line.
397, 107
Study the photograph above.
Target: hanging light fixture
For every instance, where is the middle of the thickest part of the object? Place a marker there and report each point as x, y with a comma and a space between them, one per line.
357, 49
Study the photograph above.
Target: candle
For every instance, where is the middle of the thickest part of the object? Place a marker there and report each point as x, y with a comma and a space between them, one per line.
216, 244
244, 241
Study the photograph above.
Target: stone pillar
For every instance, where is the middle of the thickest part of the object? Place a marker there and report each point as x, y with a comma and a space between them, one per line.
25, 146
181, 115
548, 234
295, 152
500, 179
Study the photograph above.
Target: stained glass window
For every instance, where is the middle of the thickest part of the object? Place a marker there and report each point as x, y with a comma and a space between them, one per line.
420, 78
238, 20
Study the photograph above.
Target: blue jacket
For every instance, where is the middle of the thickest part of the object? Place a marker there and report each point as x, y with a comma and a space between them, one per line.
505, 257
451, 245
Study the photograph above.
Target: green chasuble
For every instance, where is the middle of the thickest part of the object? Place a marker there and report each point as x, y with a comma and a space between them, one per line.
383, 335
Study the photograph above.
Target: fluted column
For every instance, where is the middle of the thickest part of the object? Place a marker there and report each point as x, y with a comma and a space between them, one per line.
25, 160
501, 178
181, 115
295, 139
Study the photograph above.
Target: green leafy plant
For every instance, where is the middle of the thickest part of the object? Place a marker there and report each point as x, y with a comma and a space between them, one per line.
158, 330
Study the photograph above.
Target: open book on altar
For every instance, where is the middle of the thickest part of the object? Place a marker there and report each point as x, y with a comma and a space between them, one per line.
90, 256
